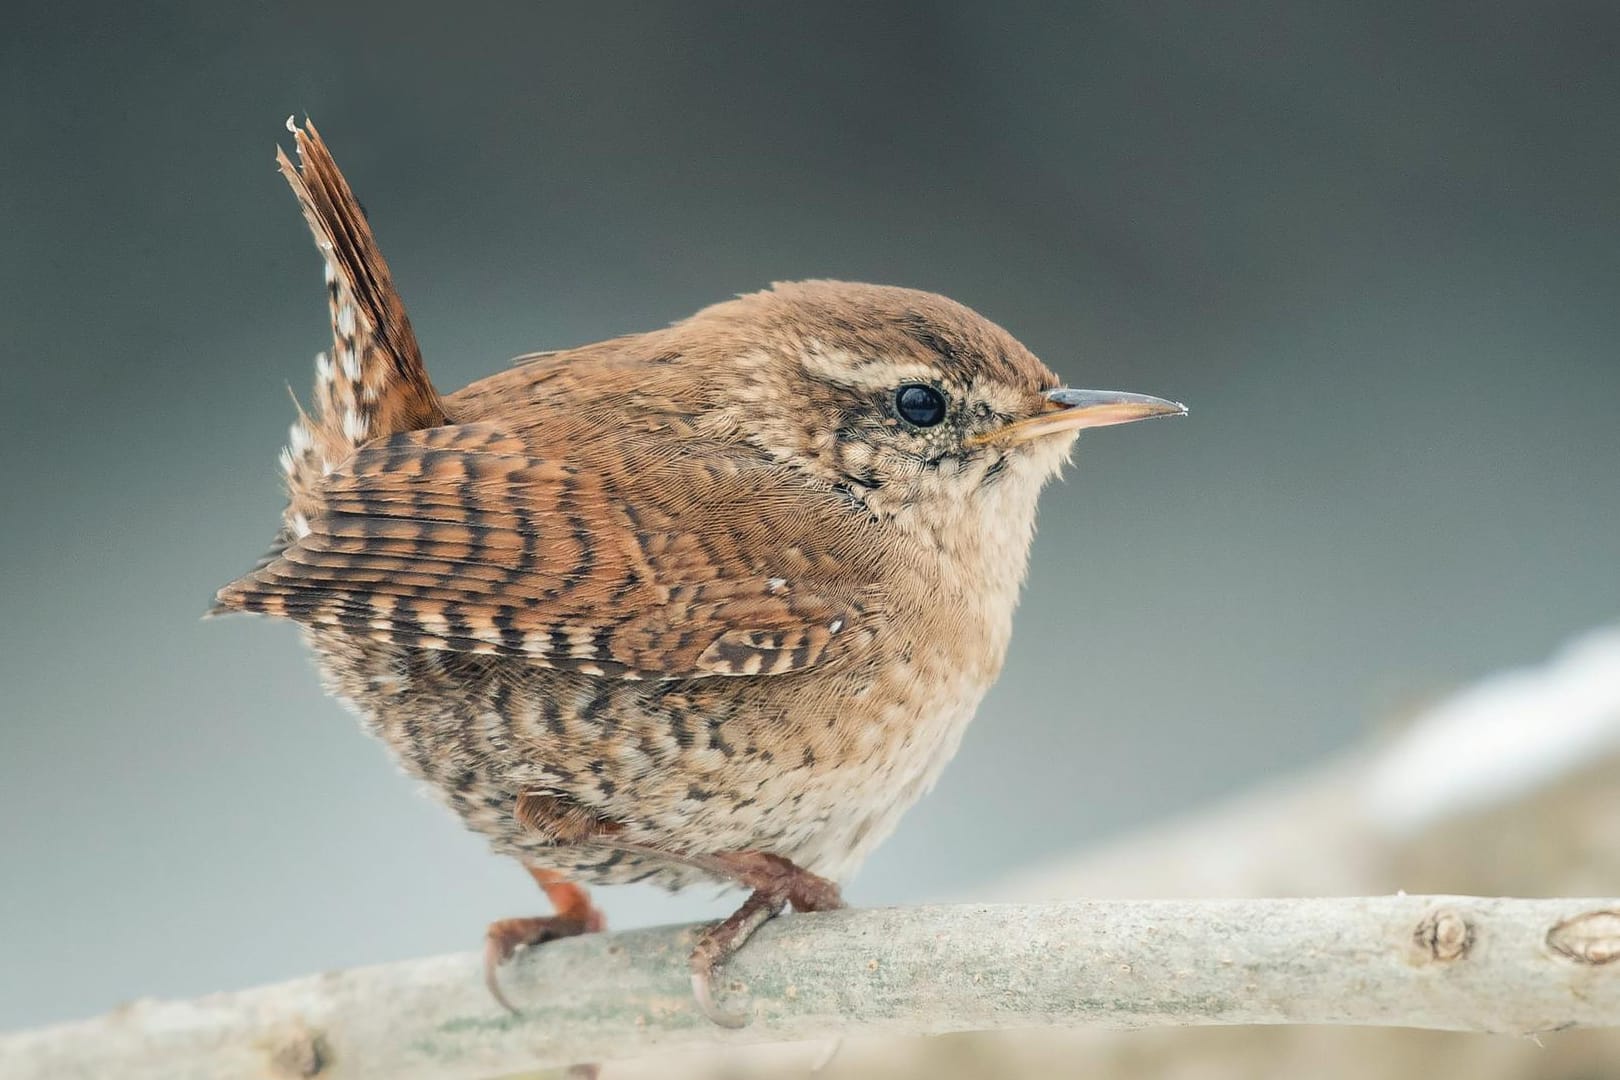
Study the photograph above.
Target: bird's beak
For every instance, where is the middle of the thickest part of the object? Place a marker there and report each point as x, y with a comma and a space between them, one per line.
1072, 410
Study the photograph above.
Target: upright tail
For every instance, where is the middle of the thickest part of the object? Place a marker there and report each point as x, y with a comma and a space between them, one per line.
373, 382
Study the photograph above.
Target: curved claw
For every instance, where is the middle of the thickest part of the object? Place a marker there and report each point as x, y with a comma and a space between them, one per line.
496, 954
505, 938
703, 993
721, 941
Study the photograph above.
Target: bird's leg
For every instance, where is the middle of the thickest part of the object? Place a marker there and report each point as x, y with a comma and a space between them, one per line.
775, 883
575, 914
562, 822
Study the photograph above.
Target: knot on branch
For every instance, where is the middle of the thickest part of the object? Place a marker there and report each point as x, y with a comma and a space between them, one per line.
1444, 935
1590, 938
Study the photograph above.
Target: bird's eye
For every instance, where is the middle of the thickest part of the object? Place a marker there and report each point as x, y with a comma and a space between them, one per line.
920, 405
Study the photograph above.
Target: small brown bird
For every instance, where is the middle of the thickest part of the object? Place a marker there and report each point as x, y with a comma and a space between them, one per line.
709, 603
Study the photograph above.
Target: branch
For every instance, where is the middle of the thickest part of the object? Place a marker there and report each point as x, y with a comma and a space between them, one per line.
1453, 963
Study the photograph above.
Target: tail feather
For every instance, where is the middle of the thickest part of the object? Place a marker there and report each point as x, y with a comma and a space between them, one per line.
373, 383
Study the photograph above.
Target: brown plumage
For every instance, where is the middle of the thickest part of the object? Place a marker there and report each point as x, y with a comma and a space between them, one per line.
713, 602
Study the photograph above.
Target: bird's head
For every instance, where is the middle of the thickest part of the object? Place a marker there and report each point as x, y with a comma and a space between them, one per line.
916, 406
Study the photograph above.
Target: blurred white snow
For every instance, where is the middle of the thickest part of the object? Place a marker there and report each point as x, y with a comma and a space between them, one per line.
1505, 735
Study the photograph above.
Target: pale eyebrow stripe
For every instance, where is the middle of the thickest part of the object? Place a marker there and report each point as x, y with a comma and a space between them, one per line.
862, 372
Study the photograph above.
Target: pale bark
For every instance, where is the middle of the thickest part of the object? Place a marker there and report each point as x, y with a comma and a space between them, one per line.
1451, 963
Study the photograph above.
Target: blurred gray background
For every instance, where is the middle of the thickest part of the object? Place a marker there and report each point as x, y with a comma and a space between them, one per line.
1377, 250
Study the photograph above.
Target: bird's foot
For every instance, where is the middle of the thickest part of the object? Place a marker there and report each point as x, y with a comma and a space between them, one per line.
505, 938
776, 883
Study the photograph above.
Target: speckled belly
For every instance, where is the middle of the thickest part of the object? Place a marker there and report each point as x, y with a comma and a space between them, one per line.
816, 768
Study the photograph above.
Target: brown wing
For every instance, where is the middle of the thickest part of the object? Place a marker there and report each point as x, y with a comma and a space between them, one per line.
459, 538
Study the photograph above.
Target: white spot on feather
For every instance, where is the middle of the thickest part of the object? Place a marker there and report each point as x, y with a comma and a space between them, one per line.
298, 438
345, 320
354, 425
388, 683
301, 525
288, 466
835, 626
351, 364
323, 367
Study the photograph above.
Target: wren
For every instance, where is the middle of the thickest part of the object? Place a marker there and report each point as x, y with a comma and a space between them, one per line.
711, 603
